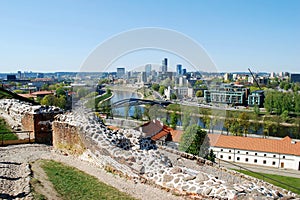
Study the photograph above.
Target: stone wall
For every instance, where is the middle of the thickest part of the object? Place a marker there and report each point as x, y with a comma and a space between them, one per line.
27, 117
126, 152
66, 137
124, 123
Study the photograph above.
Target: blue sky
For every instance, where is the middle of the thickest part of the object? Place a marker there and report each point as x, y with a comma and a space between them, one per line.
237, 34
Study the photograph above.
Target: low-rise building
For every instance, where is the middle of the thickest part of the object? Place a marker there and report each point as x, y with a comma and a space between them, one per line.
227, 94
256, 98
157, 131
280, 153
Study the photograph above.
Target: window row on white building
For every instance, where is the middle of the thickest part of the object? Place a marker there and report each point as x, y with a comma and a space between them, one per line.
284, 153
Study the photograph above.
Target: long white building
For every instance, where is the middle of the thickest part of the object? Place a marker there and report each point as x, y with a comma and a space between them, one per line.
279, 153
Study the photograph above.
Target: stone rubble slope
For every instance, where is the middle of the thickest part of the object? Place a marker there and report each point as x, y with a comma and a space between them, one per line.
136, 156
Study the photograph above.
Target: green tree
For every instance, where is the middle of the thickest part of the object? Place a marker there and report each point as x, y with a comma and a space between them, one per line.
61, 102
234, 128
108, 91
285, 116
227, 124
137, 114
186, 118
211, 156
296, 87
45, 87
49, 100
155, 87
199, 93
297, 127
167, 82
126, 111
82, 92
213, 123
268, 125
146, 112
52, 87
173, 96
19, 91
256, 110
287, 86
243, 120
60, 92
173, 120
269, 101
193, 141
162, 89
297, 103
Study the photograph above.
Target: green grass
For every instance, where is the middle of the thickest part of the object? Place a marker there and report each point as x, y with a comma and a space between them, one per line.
94, 102
294, 182
71, 183
5, 128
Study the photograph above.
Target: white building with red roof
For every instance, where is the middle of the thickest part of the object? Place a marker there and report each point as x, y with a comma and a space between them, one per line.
279, 153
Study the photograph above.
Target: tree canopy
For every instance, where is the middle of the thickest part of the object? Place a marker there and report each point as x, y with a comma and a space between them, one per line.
194, 141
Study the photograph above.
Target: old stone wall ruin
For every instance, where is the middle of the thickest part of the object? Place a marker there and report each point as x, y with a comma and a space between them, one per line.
126, 152
22, 116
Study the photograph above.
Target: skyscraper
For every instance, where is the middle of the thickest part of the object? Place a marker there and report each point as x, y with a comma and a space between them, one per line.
179, 69
164, 66
120, 72
148, 69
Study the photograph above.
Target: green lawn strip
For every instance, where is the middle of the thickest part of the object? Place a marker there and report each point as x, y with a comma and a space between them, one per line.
5, 128
72, 183
294, 182
93, 102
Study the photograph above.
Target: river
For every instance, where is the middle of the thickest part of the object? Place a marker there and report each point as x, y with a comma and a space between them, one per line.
121, 95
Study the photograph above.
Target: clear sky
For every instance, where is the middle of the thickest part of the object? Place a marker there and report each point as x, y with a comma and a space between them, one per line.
58, 35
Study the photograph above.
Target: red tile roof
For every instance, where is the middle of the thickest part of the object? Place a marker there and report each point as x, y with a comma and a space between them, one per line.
282, 146
42, 92
176, 135
155, 129
151, 128
42, 79
165, 131
27, 95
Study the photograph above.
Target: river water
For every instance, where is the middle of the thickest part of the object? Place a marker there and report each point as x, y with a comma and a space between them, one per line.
121, 95
156, 114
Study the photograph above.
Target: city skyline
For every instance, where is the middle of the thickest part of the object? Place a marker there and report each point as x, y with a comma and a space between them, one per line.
58, 36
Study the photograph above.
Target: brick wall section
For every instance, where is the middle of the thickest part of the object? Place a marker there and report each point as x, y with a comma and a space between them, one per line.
67, 138
40, 124
28, 123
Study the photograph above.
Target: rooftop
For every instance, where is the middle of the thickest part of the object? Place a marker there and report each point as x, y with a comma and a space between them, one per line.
283, 146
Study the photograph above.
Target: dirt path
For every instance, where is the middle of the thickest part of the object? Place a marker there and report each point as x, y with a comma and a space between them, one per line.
32, 153
40, 182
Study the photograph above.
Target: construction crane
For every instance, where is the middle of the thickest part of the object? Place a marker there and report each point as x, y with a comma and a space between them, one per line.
254, 79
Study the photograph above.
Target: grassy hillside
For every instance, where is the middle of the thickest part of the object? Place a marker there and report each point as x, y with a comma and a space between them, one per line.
294, 182
71, 183
4, 127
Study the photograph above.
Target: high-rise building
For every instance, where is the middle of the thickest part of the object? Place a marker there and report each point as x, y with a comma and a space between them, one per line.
19, 74
143, 77
164, 66
148, 69
183, 71
120, 72
179, 69
228, 77
295, 78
